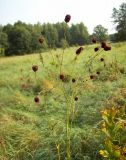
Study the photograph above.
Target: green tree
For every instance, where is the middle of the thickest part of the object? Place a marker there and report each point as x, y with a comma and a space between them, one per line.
7, 29
79, 34
113, 37
51, 34
35, 31
119, 16
63, 32
83, 34
100, 33
19, 41
64, 43
23, 38
3, 40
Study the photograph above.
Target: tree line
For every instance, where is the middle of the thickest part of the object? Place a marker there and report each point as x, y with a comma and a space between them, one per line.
21, 38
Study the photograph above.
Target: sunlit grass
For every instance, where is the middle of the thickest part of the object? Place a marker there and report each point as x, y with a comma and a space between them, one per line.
29, 131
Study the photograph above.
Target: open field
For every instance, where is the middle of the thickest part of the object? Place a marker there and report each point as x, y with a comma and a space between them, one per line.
37, 131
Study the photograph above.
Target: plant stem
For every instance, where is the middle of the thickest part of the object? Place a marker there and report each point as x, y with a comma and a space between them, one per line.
68, 152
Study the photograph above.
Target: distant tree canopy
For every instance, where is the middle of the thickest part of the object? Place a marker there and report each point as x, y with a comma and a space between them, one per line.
79, 34
119, 16
3, 40
100, 33
22, 38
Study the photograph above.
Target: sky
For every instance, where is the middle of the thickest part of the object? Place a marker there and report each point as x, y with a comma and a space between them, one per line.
90, 12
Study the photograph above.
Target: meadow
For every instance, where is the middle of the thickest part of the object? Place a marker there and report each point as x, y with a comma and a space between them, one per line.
32, 130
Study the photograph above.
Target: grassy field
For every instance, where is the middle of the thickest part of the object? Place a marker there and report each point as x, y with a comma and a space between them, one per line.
37, 131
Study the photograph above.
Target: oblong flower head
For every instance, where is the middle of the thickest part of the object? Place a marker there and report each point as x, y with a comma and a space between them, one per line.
67, 18
79, 50
34, 68
41, 40
107, 48
103, 44
96, 49
94, 40
76, 98
61, 76
36, 99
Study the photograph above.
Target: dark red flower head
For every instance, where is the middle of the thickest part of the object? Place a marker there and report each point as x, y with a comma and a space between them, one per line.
76, 98
92, 76
107, 48
34, 68
36, 99
41, 40
96, 49
62, 77
102, 59
67, 18
103, 44
98, 72
94, 40
78, 51
73, 80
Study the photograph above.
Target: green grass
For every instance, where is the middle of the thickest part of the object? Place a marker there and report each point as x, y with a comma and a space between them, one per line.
30, 131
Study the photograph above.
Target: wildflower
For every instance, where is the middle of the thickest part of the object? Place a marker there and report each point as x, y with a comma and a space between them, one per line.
107, 48
103, 153
76, 98
34, 68
41, 40
92, 76
67, 18
96, 49
102, 59
98, 72
103, 45
78, 51
93, 40
36, 99
62, 77
73, 80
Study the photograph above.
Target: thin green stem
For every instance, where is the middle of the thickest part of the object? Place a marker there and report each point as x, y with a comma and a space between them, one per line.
68, 152
52, 55
58, 149
61, 63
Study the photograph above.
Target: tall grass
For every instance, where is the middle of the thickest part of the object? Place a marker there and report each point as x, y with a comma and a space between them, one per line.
30, 130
